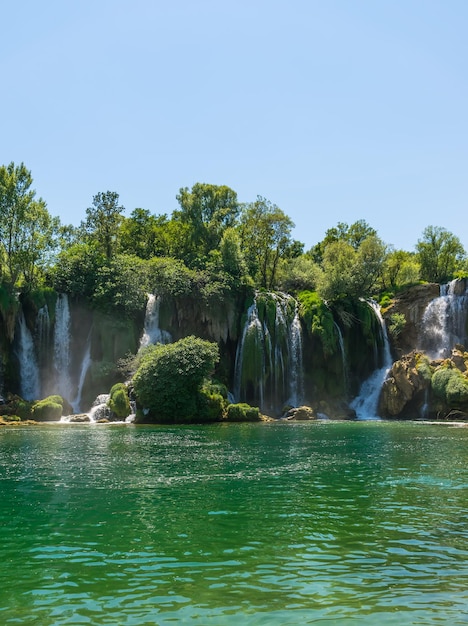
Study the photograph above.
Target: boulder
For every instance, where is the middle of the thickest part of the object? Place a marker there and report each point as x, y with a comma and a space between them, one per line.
301, 413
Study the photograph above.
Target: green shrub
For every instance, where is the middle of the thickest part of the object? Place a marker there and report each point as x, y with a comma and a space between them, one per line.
11, 418
423, 367
397, 324
118, 402
450, 385
242, 412
48, 410
169, 379
210, 406
319, 320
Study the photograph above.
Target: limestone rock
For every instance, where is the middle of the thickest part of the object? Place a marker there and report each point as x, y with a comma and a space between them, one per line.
301, 413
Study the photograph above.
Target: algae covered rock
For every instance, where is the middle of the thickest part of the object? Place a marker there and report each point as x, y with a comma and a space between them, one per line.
48, 410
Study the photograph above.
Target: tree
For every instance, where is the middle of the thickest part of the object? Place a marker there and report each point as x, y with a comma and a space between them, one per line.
400, 268
354, 235
208, 210
351, 272
145, 235
27, 231
265, 233
169, 379
103, 220
440, 254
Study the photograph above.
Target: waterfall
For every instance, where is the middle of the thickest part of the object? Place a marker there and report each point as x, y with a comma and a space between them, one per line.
366, 403
29, 371
62, 347
344, 365
86, 362
444, 321
297, 369
268, 369
43, 329
151, 332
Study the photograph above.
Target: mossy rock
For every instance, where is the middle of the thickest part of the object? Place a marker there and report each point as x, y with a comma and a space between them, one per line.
48, 410
119, 402
242, 412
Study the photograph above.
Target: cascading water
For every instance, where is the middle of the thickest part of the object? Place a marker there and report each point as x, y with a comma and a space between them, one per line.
366, 403
444, 321
29, 371
268, 368
86, 362
63, 384
343, 355
152, 333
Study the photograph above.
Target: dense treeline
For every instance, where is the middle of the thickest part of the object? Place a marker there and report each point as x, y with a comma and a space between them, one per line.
212, 244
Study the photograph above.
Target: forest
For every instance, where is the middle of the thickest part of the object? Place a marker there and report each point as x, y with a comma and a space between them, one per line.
213, 249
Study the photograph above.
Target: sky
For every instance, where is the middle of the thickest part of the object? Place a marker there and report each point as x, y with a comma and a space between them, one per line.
334, 110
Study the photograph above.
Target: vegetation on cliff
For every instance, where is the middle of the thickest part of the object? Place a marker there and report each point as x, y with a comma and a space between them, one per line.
207, 260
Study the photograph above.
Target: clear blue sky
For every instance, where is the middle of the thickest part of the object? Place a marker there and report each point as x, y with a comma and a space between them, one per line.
335, 110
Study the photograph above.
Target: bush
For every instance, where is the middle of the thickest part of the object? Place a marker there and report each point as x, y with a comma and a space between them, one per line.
450, 385
48, 410
242, 412
118, 402
169, 379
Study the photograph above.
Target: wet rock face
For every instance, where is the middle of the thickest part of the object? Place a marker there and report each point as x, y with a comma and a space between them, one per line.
301, 413
404, 388
419, 388
412, 303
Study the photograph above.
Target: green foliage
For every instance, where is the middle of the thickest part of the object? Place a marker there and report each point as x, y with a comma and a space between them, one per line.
300, 274
318, 320
450, 385
242, 412
169, 379
207, 211
400, 268
440, 254
120, 286
211, 406
103, 221
423, 367
397, 324
265, 233
352, 235
11, 418
145, 235
169, 277
44, 296
27, 230
119, 402
48, 410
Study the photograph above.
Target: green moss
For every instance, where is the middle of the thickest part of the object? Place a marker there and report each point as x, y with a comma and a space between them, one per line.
423, 367
119, 402
242, 412
44, 296
318, 320
48, 410
450, 385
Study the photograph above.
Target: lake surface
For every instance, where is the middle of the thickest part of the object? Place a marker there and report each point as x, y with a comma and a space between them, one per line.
362, 523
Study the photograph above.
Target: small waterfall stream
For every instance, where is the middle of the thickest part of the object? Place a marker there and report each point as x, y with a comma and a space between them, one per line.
444, 320
85, 364
29, 370
366, 403
152, 333
63, 385
268, 369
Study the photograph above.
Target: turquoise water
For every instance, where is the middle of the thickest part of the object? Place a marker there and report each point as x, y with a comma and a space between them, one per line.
306, 523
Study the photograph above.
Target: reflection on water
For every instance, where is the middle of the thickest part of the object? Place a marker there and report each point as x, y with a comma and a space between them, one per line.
317, 523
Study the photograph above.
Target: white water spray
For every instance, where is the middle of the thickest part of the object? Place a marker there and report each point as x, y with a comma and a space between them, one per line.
366, 403
29, 371
152, 333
